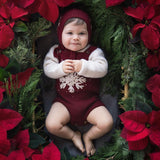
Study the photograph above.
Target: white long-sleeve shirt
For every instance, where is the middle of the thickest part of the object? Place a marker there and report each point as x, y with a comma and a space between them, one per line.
95, 67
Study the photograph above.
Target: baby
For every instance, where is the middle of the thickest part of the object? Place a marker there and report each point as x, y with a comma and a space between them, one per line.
77, 67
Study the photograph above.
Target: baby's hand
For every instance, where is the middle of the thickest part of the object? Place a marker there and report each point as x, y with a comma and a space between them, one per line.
77, 64
68, 66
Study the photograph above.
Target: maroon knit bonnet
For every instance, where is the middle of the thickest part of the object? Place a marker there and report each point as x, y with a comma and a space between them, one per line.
73, 13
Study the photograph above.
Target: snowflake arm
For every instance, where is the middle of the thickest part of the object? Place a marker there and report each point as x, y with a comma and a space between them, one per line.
52, 67
96, 66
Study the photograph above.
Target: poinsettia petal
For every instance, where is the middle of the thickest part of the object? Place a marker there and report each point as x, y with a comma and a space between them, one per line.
136, 28
155, 155
110, 3
17, 155
49, 10
23, 3
51, 152
155, 2
4, 142
131, 136
3, 60
138, 145
37, 157
22, 77
2, 157
17, 12
156, 20
9, 118
149, 12
137, 13
153, 83
154, 119
4, 11
7, 35
150, 37
134, 120
153, 61
28, 152
63, 3
21, 141
1, 94
156, 98
155, 137
154, 127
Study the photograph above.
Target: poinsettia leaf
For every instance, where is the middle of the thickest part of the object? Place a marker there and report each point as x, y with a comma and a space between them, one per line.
3, 74
20, 27
9, 118
36, 140
143, 107
13, 67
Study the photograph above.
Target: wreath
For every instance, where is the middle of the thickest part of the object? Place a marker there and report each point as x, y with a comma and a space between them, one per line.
128, 32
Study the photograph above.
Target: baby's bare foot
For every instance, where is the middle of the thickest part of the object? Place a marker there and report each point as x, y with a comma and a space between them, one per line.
78, 142
90, 149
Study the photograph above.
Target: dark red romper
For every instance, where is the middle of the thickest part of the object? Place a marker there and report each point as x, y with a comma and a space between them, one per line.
79, 94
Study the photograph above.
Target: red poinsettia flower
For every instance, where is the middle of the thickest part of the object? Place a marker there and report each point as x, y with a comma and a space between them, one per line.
155, 156
110, 3
50, 152
9, 119
153, 61
18, 142
153, 85
150, 33
3, 60
140, 129
9, 13
49, 8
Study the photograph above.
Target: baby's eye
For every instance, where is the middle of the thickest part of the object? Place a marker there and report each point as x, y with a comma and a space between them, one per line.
70, 33
82, 33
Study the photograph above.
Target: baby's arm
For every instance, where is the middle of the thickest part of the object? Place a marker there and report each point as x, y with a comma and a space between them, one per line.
52, 67
96, 66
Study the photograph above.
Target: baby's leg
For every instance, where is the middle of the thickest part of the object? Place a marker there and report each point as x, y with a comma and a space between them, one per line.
102, 123
56, 122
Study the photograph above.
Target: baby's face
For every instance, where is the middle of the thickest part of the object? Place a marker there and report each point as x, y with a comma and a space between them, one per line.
75, 37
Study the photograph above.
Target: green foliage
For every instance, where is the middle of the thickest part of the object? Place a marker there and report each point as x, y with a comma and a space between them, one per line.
36, 140
111, 33
23, 48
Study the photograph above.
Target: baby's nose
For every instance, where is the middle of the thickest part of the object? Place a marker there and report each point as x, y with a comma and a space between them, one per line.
76, 37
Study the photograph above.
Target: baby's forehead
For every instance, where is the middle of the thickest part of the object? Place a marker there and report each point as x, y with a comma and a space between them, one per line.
75, 26
76, 21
